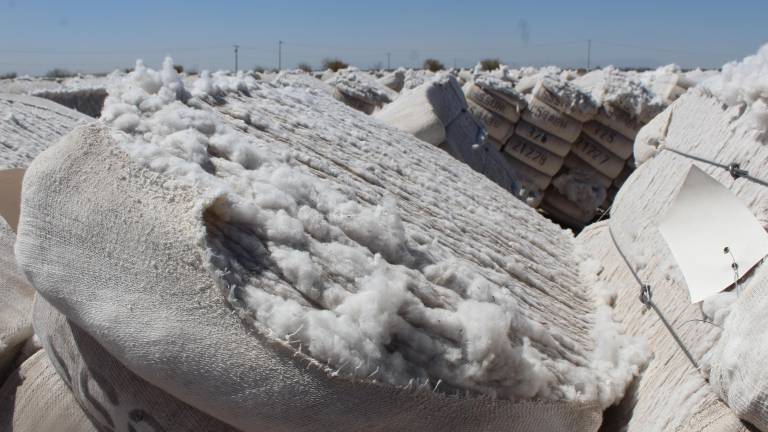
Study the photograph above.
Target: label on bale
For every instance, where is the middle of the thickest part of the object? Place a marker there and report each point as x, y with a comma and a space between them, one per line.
617, 143
542, 138
597, 156
709, 229
493, 103
497, 127
542, 115
533, 155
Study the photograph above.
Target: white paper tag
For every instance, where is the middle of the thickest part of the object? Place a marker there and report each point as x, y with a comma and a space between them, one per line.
703, 220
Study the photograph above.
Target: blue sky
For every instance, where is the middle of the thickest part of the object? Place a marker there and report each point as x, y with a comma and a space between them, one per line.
94, 36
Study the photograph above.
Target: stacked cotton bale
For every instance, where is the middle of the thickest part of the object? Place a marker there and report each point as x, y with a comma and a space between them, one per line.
497, 105
299, 78
601, 158
83, 93
554, 120
411, 225
724, 335
395, 80
26, 84
360, 90
529, 155
15, 299
667, 82
425, 110
437, 112
697, 76
608, 151
416, 77
32, 396
571, 142
28, 125
464, 76
526, 78
88, 101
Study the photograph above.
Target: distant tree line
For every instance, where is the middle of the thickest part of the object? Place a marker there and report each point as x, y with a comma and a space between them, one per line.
59, 73
332, 63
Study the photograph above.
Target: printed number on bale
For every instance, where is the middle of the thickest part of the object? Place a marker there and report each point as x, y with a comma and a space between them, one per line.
537, 134
529, 152
604, 133
543, 114
593, 151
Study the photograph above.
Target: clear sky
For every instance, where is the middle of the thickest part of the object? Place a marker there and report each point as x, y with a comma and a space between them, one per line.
98, 36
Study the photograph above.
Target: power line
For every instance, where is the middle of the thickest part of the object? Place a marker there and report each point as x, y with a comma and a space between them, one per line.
363, 54
236, 47
667, 50
258, 48
338, 48
428, 49
371, 49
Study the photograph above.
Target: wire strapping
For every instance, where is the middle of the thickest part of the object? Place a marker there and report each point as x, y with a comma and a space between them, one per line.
734, 168
646, 297
735, 267
646, 294
606, 212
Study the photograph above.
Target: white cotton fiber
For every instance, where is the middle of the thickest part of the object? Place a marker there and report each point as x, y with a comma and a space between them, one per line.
337, 235
616, 89
742, 82
360, 85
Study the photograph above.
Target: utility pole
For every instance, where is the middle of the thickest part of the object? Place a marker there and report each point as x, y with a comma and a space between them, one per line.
389, 57
589, 54
279, 55
236, 48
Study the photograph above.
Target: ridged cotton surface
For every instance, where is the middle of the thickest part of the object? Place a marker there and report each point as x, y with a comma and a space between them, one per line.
279, 261
28, 125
